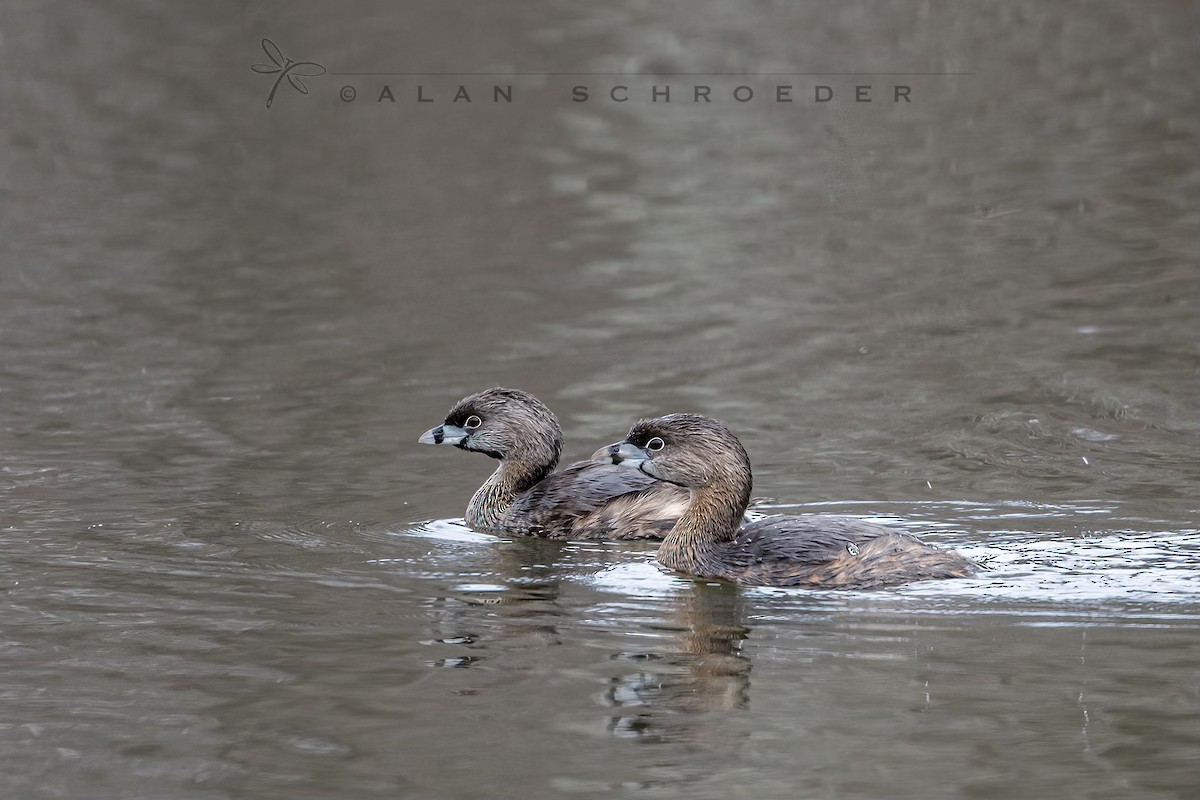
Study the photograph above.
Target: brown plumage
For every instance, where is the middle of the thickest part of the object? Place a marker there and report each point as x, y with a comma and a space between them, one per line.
711, 541
585, 500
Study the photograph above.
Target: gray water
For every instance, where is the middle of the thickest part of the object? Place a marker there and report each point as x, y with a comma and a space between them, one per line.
230, 572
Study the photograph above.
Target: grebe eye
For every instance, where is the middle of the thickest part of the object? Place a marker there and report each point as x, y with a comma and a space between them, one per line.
472, 422
655, 444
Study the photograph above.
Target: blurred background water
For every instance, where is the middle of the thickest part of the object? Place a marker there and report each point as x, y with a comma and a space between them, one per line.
230, 572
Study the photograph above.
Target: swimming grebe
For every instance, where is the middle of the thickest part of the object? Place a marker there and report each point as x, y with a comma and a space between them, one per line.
585, 500
710, 540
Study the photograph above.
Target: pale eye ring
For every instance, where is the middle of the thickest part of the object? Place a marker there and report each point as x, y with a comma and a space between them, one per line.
655, 444
472, 422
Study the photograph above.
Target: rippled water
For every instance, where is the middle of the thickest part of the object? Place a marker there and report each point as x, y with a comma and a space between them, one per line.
230, 572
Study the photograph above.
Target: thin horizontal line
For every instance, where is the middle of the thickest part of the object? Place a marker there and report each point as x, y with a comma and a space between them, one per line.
657, 74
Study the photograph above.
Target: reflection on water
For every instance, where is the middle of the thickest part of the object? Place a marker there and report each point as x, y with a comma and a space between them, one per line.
703, 670
221, 328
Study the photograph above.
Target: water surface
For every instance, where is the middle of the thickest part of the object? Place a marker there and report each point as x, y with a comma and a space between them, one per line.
230, 572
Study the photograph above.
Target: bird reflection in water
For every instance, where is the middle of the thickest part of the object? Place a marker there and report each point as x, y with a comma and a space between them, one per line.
703, 669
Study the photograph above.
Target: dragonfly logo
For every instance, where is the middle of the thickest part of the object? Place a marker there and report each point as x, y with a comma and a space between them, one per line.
294, 71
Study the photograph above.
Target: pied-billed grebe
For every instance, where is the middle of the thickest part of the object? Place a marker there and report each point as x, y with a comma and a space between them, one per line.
710, 541
524, 495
